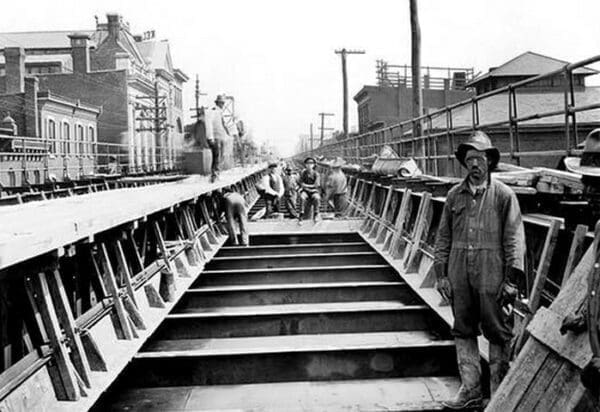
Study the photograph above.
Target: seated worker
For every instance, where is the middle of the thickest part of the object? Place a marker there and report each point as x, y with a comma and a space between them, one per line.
337, 187
234, 206
310, 190
290, 192
271, 189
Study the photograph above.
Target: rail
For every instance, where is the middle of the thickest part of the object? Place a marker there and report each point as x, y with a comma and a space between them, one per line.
31, 160
432, 138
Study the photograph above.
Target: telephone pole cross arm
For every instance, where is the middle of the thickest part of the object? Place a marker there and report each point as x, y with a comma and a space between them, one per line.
344, 53
323, 125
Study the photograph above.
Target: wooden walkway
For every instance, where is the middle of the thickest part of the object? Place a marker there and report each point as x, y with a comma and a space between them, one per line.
32, 229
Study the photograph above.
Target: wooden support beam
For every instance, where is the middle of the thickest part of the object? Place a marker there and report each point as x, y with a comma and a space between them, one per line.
110, 283
421, 226
575, 252
154, 298
367, 210
67, 321
211, 231
124, 270
379, 226
403, 215
40, 298
94, 356
134, 247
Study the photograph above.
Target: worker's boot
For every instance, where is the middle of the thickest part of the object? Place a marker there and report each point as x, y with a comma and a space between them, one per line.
469, 394
499, 363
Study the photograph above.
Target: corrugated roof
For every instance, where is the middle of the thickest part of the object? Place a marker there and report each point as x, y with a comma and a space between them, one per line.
495, 108
529, 64
41, 39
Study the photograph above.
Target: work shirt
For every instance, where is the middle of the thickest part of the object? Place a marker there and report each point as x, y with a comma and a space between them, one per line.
310, 178
272, 184
290, 184
336, 183
480, 233
215, 125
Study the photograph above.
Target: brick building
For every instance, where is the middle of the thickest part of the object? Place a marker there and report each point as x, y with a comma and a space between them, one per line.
131, 77
390, 101
34, 122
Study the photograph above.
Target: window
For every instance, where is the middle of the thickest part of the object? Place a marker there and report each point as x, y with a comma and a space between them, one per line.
51, 135
179, 126
66, 139
12, 177
91, 140
37, 178
79, 140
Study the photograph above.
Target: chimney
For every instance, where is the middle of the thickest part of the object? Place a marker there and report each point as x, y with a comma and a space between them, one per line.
114, 24
14, 64
80, 52
31, 107
122, 61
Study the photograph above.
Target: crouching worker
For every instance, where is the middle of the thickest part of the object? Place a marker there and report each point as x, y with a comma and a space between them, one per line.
234, 206
337, 187
479, 255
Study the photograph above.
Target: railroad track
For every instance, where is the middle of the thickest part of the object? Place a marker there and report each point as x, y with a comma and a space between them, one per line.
294, 322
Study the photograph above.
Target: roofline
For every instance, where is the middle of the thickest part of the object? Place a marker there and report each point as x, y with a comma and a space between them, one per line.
179, 73
48, 95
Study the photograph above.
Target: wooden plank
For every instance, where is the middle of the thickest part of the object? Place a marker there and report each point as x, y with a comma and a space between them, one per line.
421, 226
124, 269
379, 223
154, 298
575, 252
545, 328
544, 266
400, 220
39, 296
162, 247
67, 321
110, 283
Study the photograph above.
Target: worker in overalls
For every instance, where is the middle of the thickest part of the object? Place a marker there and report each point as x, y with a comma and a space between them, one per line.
310, 188
217, 133
290, 192
234, 206
479, 256
336, 188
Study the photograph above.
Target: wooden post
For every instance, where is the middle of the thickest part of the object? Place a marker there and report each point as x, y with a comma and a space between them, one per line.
417, 95
403, 213
124, 269
575, 253
110, 283
40, 299
66, 319
379, 226
421, 227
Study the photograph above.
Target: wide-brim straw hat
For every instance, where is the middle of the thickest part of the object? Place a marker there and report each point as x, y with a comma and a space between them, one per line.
481, 142
589, 162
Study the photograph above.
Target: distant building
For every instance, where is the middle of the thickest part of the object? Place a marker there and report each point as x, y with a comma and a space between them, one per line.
131, 77
390, 101
31, 122
525, 66
544, 96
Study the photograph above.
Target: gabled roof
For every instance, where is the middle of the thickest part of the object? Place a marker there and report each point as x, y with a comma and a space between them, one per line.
157, 54
529, 64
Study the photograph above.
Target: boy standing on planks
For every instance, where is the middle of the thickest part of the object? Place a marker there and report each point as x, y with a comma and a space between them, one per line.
479, 256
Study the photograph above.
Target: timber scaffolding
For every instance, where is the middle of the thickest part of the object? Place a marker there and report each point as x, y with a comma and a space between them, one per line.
86, 279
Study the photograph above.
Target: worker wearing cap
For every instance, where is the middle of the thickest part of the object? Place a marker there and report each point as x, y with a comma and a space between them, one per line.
336, 187
234, 206
216, 133
271, 189
310, 188
290, 192
479, 257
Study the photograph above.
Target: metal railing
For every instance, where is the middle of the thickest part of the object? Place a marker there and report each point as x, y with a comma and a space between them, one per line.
432, 138
30, 160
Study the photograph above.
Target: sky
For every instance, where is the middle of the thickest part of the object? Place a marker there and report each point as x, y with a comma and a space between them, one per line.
277, 57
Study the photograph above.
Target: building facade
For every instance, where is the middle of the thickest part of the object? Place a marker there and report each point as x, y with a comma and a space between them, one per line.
130, 77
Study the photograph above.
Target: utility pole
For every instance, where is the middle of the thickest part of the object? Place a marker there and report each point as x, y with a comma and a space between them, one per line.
343, 53
312, 147
323, 128
416, 66
197, 94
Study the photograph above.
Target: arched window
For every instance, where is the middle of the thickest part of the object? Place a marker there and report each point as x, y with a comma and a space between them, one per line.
51, 135
66, 138
80, 139
91, 140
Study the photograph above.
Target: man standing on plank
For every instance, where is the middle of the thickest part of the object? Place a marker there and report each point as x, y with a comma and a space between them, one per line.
479, 257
